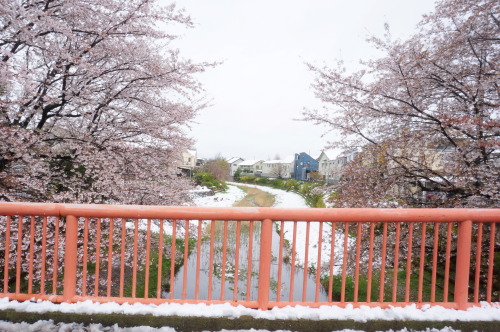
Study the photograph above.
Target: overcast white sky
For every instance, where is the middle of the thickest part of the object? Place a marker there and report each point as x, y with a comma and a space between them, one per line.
263, 84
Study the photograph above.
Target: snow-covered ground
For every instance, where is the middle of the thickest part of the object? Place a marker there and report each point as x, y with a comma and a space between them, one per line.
485, 312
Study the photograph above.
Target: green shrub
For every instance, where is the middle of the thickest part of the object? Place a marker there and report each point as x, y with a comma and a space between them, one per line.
209, 181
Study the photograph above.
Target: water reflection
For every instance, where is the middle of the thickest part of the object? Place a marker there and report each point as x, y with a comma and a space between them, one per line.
229, 271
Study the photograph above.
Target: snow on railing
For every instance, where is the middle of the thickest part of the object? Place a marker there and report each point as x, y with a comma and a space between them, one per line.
256, 257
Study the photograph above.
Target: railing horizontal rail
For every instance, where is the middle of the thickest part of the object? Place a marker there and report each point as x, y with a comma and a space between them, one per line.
250, 213
256, 257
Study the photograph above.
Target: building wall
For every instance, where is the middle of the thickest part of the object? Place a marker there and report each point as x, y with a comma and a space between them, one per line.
303, 165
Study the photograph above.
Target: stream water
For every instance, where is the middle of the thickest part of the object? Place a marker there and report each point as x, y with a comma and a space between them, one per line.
216, 268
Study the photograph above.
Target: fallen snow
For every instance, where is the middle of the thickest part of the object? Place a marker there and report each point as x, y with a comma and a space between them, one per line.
226, 199
485, 312
44, 325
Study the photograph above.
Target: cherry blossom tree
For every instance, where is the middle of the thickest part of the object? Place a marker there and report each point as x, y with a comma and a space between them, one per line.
95, 107
94, 102
426, 114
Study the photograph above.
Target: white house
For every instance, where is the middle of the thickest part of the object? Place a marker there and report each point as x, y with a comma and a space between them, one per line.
326, 163
233, 163
251, 167
278, 168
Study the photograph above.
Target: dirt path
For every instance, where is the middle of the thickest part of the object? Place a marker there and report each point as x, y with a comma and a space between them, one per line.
255, 198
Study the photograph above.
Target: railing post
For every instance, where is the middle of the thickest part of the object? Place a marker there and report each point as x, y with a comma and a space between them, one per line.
70, 258
463, 264
266, 233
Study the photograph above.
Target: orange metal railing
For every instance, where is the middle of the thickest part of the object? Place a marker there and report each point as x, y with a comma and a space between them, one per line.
256, 257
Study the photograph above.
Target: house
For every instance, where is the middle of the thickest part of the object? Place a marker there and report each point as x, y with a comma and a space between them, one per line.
251, 167
303, 165
189, 162
325, 161
281, 169
233, 163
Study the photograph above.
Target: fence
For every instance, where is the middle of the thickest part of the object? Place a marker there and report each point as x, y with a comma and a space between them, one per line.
256, 257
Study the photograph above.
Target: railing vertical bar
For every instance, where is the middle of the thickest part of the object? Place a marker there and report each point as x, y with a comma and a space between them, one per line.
409, 262
148, 255
434, 261
44, 256
122, 256
478, 261
461, 293
110, 255
7, 257
211, 259
134, 266
447, 263
396, 263
85, 256
223, 266
198, 262
97, 257
306, 262
382, 264
280, 261
422, 260
332, 262
356, 267
489, 285
32, 255
70, 258
292, 268
265, 264
237, 261
370, 263
160, 260
172, 258
56, 257
249, 264
318, 263
344, 263
19, 252
186, 254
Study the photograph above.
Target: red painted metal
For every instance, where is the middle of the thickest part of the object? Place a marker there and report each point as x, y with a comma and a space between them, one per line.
463, 264
249, 264
122, 257
479, 243
396, 263
447, 263
292, 267
211, 260
318, 265
98, 259
160, 260
70, 259
6, 257
489, 284
110, 257
265, 263
370, 263
306, 261
280, 261
332, 261
198, 263
172, 260
186, 253
382, 264
75, 219
236, 261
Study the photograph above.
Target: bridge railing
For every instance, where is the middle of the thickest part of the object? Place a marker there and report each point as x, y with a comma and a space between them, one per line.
256, 257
